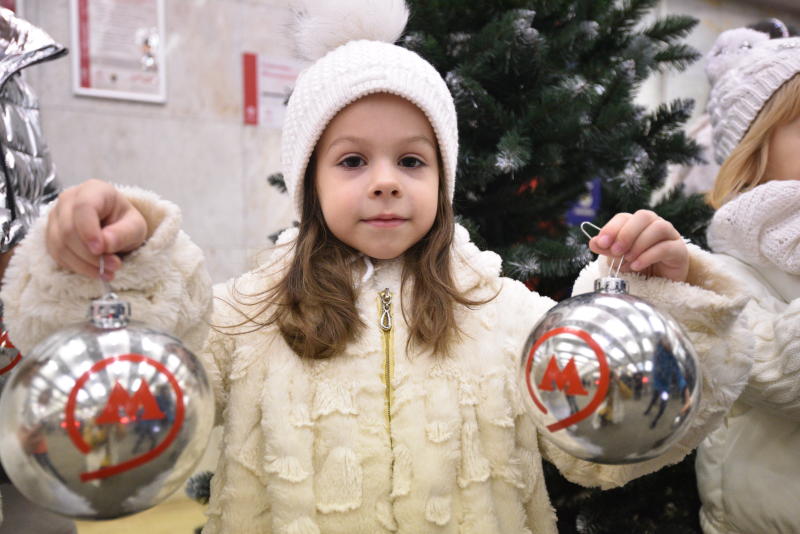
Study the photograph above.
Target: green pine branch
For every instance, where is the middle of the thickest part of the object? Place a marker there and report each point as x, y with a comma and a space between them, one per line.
669, 116
276, 180
676, 56
671, 28
546, 258
629, 13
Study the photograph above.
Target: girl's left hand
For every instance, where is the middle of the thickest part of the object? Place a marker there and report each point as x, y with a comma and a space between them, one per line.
648, 243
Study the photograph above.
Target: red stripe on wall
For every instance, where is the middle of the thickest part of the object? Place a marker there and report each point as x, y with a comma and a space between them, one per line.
250, 69
83, 36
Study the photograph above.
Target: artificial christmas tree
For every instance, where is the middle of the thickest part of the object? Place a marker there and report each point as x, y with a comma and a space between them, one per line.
547, 122
550, 136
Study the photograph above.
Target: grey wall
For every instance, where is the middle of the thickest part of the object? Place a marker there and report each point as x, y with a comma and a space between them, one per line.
193, 150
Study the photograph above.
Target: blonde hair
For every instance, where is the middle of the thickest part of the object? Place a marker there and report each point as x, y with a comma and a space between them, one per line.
746, 166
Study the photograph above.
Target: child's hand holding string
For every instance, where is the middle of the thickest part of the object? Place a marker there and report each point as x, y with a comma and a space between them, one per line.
648, 244
92, 220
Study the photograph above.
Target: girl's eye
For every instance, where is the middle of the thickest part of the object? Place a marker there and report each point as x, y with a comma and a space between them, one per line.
411, 162
352, 162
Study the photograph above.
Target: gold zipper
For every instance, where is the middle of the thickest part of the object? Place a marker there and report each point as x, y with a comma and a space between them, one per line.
386, 323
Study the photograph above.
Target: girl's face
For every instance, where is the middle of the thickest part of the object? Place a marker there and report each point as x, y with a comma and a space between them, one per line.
377, 175
783, 162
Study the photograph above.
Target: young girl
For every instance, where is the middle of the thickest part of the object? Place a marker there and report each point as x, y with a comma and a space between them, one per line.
748, 470
366, 376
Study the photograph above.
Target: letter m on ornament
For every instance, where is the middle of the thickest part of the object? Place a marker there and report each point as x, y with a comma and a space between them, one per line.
130, 404
567, 380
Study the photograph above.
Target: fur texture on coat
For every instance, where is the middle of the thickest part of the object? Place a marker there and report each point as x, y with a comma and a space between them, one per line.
308, 445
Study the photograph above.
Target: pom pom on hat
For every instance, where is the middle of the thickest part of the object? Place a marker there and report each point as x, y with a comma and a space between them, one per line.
745, 68
322, 26
730, 47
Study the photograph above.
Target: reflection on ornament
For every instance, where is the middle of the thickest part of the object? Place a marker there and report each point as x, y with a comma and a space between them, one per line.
608, 378
104, 418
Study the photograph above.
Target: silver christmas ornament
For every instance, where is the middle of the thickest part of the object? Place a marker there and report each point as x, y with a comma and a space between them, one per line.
608, 378
104, 418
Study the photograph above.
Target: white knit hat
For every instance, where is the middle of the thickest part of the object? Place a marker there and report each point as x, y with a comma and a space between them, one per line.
745, 68
359, 59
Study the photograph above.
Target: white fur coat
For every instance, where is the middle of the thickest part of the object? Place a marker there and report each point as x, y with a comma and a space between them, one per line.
307, 448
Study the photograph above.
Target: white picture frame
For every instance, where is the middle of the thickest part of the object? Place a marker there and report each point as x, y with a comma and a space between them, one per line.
97, 69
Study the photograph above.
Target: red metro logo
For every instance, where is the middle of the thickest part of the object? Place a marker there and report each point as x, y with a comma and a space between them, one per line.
123, 408
12, 355
131, 404
567, 379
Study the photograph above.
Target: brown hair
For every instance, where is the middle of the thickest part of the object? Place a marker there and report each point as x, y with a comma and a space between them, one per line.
746, 166
314, 302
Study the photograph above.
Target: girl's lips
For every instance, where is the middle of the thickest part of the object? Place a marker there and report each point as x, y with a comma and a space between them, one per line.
385, 223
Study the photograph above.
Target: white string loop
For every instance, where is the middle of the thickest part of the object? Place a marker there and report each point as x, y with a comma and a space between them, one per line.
106, 283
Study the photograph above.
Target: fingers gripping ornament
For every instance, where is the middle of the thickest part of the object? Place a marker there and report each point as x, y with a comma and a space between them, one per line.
609, 378
104, 418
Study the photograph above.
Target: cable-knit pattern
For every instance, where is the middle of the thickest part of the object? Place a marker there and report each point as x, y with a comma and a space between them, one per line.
761, 227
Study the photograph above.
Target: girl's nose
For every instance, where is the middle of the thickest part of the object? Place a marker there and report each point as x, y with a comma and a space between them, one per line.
385, 190
385, 184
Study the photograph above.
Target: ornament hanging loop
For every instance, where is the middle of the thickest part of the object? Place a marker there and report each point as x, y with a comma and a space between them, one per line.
106, 283
613, 260
584, 224
109, 312
619, 266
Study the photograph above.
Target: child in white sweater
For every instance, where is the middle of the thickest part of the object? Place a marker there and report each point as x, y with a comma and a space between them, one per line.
748, 470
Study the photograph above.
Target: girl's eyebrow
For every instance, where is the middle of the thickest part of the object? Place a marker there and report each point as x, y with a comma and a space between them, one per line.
423, 138
344, 139
360, 140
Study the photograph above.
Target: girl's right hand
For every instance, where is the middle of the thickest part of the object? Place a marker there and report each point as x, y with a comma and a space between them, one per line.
91, 220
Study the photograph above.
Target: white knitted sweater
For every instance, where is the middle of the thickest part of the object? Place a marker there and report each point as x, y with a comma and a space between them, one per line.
761, 227
307, 448
739, 467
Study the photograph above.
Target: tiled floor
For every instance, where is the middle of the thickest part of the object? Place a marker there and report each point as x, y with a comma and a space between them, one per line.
175, 516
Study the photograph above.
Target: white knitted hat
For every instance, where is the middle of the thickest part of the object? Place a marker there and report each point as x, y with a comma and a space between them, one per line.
745, 68
359, 59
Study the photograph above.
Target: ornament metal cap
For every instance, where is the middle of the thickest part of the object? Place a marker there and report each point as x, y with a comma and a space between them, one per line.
611, 284
110, 312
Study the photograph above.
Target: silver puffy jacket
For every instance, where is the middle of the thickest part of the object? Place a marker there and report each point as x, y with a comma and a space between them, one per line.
28, 175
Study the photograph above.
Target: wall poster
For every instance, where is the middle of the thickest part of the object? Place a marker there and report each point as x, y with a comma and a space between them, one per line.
118, 49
